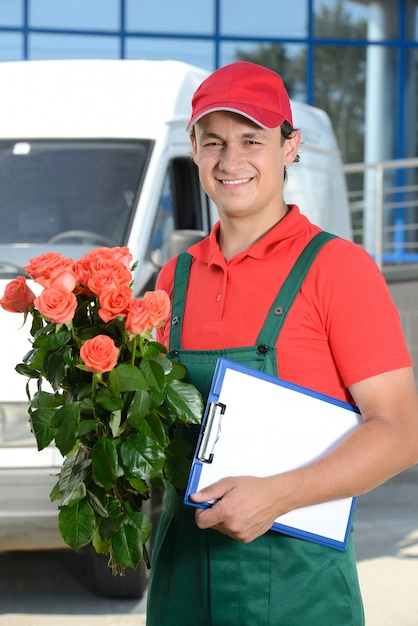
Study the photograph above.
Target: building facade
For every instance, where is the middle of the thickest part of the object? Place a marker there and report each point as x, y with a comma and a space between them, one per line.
355, 58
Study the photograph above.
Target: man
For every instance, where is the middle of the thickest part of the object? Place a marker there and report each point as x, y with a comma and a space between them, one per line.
222, 566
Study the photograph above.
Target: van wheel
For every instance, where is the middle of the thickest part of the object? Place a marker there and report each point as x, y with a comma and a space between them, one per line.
130, 586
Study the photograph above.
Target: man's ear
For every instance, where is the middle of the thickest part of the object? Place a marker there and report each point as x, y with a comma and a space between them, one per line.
194, 148
292, 146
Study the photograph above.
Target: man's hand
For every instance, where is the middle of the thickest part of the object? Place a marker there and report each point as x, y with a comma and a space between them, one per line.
243, 510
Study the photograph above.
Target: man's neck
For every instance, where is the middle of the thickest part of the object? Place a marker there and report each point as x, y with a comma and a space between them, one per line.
238, 235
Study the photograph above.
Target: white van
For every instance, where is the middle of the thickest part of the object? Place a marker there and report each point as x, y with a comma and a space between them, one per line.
95, 153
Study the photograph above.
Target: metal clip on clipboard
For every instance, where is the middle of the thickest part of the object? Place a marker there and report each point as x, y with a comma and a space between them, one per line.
211, 433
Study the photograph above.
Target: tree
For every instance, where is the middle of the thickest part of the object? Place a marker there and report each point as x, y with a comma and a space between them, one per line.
274, 57
340, 79
339, 75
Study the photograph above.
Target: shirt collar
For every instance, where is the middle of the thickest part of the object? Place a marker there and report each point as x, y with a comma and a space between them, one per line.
293, 224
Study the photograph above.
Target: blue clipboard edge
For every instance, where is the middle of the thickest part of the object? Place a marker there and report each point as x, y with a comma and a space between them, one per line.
194, 477
325, 541
224, 364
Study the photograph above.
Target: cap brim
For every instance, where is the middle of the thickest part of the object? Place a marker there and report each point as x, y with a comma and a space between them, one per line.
260, 117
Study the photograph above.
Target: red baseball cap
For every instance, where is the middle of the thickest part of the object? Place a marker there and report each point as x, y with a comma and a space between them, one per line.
246, 88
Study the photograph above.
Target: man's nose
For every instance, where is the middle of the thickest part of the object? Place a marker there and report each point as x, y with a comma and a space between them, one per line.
231, 158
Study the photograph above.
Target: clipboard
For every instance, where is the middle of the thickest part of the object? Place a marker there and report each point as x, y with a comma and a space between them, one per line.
257, 424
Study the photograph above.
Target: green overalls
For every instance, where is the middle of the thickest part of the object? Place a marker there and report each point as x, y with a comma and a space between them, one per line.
204, 578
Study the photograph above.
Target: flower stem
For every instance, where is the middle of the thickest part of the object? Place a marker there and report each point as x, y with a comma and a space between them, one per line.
134, 342
95, 382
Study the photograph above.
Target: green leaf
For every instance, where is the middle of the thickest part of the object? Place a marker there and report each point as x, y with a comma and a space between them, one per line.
108, 401
114, 423
67, 419
44, 399
113, 382
54, 366
130, 378
87, 404
178, 371
64, 413
139, 485
55, 493
184, 402
37, 322
46, 329
159, 347
142, 522
177, 466
74, 471
100, 545
67, 356
97, 501
25, 370
128, 541
35, 359
86, 426
41, 425
53, 341
110, 525
157, 397
154, 374
142, 456
73, 498
139, 407
105, 463
163, 362
127, 546
156, 428
76, 524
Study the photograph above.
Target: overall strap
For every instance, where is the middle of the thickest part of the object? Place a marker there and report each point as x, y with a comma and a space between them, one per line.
290, 288
280, 307
181, 278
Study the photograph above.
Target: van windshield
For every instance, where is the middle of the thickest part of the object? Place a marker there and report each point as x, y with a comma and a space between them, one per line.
67, 195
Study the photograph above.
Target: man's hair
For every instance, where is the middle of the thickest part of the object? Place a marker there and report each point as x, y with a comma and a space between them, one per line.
287, 132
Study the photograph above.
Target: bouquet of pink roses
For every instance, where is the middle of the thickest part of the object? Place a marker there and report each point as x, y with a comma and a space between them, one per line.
111, 396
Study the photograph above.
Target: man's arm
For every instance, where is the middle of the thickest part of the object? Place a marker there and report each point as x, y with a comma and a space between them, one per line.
385, 444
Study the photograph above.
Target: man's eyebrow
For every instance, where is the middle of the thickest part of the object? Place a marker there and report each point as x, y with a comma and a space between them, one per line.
251, 134
210, 134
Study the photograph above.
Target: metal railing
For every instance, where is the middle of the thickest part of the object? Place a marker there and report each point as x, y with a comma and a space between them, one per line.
383, 199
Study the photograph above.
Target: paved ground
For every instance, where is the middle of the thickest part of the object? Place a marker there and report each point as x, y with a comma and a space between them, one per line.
54, 589
387, 551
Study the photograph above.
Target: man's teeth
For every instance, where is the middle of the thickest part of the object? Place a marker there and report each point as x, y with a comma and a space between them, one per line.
235, 182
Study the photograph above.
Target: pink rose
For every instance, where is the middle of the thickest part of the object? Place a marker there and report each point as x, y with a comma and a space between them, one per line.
102, 257
64, 275
158, 305
137, 319
52, 268
17, 297
114, 302
116, 253
100, 354
82, 278
113, 274
57, 304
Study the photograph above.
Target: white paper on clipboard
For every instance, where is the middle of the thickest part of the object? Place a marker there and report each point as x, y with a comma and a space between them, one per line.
260, 425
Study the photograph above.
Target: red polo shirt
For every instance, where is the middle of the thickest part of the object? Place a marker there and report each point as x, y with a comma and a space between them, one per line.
342, 328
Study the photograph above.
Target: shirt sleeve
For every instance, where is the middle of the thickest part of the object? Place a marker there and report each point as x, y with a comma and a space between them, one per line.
362, 323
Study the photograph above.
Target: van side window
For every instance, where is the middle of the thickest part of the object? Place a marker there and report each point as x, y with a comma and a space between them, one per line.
180, 206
